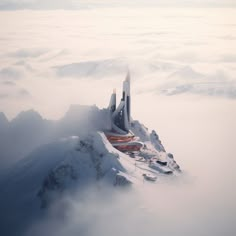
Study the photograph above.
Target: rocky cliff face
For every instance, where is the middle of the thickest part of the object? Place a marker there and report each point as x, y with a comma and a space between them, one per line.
93, 161
68, 156
90, 161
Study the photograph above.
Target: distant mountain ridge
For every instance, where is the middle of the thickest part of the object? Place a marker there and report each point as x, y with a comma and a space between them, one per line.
28, 130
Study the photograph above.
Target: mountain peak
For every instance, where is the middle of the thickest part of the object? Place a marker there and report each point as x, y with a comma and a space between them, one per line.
3, 120
29, 115
3, 117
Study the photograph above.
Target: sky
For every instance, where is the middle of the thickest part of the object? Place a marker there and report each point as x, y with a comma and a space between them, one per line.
80, 4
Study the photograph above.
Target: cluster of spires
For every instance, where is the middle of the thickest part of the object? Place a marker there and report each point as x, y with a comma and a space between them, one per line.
120, 116
120, 135
122, 138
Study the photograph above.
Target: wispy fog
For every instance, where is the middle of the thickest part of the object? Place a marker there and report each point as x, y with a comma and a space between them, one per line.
200, 202
170, 207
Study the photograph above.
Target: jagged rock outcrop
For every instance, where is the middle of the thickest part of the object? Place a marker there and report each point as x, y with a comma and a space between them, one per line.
89, 161
74, 159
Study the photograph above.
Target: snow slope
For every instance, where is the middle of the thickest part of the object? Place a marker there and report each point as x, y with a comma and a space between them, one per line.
77, 156
29, 130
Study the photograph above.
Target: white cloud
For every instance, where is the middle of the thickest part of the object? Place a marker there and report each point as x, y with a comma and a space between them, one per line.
228, 58
154, 43
168, 51
29, 52
8, 83
177, 50
10, 73
100, 68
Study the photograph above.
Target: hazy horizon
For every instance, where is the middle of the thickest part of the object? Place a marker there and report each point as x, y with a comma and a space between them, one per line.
96, 4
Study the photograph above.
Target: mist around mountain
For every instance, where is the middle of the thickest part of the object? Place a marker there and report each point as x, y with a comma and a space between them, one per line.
44, 162
70, 181
29, 130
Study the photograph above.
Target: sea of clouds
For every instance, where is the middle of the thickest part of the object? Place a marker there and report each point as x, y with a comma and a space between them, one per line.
51, 57
182, 63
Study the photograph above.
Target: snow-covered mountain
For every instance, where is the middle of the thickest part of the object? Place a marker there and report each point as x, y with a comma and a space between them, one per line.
3, 121
29, 130
67, 156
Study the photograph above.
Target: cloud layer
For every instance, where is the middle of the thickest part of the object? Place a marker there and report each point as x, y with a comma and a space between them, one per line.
50, 59
56, 55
